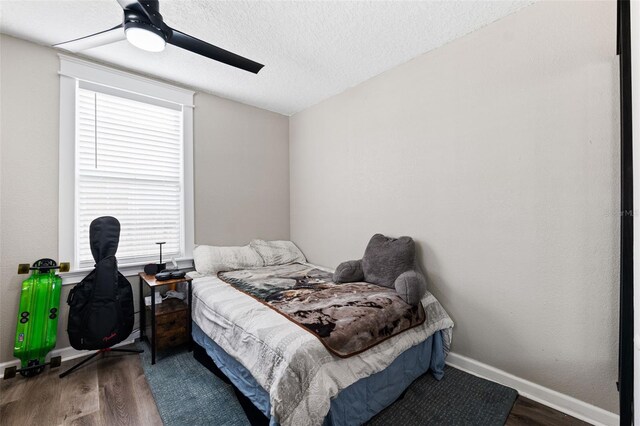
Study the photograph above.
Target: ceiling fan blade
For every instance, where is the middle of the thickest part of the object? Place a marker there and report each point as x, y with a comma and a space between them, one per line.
203, 48
94, 40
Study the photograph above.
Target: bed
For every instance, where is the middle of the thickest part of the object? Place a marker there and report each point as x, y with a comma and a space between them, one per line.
291, 377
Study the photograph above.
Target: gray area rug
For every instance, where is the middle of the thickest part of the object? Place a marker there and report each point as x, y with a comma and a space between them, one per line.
458, 399
186, 393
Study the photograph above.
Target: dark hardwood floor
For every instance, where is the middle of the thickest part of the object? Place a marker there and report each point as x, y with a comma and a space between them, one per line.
109, 391
114, 391
528, 412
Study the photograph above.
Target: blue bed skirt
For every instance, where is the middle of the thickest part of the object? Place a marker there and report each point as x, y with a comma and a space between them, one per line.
357, 403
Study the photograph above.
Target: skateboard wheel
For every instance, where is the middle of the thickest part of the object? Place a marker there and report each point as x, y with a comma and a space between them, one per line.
65, 266
32, 371
10, 372
23, 268
33, 368
45, 265
55, 362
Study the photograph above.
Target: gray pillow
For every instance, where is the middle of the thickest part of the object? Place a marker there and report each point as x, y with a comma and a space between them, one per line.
411, 286
349, 272
386, 258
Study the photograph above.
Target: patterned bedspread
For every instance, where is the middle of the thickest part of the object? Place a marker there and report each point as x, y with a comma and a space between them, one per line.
347, 318
290, 363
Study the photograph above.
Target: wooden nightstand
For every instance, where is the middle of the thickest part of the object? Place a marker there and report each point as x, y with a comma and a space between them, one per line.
170, 320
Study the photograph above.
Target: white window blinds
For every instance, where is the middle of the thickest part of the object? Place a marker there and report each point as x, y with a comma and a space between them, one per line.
129, 164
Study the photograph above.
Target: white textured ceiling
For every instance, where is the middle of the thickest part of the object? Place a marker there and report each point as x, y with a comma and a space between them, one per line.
311, 50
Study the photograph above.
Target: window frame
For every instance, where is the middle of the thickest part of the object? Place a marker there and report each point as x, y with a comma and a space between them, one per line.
72, 72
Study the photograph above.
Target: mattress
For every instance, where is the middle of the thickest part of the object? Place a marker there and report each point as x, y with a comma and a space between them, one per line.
291, 365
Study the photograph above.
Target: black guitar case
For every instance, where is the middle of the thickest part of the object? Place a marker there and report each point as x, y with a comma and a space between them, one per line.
101, 306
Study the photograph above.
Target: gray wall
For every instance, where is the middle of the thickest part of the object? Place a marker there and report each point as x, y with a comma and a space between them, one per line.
241, 163
499, 154
229, 182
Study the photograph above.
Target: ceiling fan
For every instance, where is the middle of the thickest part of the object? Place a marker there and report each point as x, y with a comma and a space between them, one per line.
143, 27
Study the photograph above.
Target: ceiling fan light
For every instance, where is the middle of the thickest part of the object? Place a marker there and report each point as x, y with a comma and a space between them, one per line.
145, 39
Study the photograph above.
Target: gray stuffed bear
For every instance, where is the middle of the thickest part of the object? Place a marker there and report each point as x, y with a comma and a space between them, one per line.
389, 262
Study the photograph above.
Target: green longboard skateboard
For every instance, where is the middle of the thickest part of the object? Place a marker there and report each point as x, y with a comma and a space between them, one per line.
37, 317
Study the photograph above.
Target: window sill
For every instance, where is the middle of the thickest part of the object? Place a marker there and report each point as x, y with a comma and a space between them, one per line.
76, 276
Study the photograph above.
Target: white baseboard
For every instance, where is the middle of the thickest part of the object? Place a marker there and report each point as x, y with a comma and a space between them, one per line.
68, 353
559, 401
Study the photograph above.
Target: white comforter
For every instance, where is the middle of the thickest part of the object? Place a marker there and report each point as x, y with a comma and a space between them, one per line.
300, 375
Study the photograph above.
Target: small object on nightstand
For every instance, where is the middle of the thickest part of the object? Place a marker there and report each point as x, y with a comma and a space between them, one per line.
178, 274
154, 268
174, 294
170, 275
151, 269
161, 266
147, 299
163, 276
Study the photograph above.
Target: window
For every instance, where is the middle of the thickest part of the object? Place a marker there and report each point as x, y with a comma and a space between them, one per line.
126, 154
129, 165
